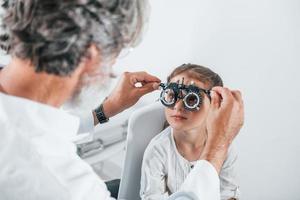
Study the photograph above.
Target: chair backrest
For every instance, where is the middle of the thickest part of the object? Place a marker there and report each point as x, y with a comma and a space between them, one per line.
143, 125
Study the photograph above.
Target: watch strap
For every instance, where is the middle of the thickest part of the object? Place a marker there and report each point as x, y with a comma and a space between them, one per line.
100, 114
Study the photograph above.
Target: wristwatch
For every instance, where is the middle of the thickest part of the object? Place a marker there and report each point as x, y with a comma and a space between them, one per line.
100, 114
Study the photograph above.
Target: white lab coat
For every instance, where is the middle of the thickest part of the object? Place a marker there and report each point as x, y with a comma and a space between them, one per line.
38, 161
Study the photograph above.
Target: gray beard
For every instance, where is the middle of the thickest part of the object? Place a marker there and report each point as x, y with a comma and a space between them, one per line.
88, 96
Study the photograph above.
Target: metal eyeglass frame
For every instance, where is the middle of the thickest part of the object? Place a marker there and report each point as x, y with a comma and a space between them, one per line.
190, 90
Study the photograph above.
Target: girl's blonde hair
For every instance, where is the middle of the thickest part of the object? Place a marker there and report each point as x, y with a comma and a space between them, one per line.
201, 73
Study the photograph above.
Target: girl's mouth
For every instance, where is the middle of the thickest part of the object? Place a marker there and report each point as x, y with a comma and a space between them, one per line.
179, 117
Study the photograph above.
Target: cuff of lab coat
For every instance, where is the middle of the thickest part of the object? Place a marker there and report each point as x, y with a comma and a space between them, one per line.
203, 182
86, 124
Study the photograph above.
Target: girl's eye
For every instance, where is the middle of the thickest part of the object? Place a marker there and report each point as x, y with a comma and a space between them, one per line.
169, 95
192, 100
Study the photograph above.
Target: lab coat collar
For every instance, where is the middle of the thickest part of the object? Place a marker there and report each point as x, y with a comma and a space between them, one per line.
26, 114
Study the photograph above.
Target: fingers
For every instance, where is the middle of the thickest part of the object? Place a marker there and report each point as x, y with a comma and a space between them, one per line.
147, 88
238, 96
142, 77
155, 86
225, 95
215, 99
240, 105
131, 87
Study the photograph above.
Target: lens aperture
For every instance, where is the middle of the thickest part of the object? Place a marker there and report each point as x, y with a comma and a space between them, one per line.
191, 100
168, 97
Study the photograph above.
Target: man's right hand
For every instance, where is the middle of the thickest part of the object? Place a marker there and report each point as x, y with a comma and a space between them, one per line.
224, 121
127, 93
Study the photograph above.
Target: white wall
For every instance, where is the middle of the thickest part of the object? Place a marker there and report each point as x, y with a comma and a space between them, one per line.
255, 46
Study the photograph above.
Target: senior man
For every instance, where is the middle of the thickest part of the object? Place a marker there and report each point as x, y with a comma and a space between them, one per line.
59, 47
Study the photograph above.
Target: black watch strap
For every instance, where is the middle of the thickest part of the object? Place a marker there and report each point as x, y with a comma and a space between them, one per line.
100, 114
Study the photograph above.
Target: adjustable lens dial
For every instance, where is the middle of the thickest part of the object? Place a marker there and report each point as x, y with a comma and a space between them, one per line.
168, 97
192, 101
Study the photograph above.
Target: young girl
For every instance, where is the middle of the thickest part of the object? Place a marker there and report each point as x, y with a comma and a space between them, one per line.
171, 155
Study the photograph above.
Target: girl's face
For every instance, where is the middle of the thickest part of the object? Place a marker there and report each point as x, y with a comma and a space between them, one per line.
181, 119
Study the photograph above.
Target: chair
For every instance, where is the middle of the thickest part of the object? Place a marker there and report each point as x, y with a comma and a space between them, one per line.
143, 125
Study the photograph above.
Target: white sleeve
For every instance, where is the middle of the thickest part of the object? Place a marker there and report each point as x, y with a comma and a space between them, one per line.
153, 183
202, 183
228, 176
86, 124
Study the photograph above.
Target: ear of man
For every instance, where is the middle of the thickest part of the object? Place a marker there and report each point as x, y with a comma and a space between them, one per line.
92, 59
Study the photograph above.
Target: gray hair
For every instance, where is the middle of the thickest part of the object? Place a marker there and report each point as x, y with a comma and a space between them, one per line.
55, 34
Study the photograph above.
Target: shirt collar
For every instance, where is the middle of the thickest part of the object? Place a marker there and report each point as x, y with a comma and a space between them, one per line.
27, 114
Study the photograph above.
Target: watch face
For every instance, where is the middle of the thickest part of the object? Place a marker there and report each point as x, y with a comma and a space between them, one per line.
103, 118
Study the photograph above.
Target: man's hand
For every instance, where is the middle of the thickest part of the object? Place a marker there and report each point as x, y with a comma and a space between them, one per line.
127, 93
224, 121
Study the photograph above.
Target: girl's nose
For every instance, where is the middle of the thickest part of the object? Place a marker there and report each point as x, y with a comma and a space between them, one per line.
179, 106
